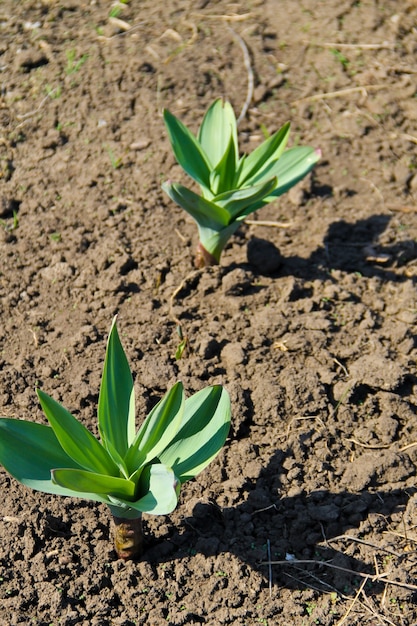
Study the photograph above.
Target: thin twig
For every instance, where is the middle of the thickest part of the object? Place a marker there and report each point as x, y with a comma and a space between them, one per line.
268, 223
23, 116
183, 239
367, 604
301, 582
322, 582
403, 209
304, 417
235, 17
342, 366
372, 578
267, 508
340, 93
364, 543
408, 137
408, 446
366, 46
368, 445
350, 607
248, 66
268, 551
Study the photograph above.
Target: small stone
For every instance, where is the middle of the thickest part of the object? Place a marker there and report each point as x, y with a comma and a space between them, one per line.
141, 144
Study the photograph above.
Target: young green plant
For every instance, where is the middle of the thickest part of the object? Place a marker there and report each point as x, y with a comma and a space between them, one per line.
232, 186
133, 472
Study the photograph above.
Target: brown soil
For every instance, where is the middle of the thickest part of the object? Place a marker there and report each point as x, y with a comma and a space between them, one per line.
316, 344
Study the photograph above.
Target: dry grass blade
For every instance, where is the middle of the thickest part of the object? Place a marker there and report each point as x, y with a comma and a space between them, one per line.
362, 542
385, 45
269, 224
408, 446
366, 603
352, 604
372, 577
248, 66
234, 17
368, 445
340, 93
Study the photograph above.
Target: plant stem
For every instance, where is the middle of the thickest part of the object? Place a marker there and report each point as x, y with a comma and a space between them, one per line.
203, 258
128, 537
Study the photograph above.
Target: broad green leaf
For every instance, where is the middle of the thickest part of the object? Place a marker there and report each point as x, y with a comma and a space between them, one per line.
237, 200
263, 175
158, 429
75, 439
187, 150
82, 481
160, 488
270, 150
204, 428
29, 451
294, 164
223, 175
217, 130
116, 404
204, 212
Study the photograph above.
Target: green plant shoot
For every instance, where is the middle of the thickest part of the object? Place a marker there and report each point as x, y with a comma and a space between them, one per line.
133, 472
232, 186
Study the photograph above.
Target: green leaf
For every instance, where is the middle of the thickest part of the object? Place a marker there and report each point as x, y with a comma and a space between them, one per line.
294, 164
116, 404
82, 481
204, 428
269, 150
204, 212
237, 200
161, 489
223, 175
29, 451
180, 349
158, 429
218, 133
75, 439
187, 150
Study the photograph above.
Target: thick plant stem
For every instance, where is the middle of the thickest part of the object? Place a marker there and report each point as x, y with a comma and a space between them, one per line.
128, 537
203, 258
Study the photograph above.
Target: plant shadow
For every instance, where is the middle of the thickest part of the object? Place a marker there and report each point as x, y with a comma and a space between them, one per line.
354, 247
307, 526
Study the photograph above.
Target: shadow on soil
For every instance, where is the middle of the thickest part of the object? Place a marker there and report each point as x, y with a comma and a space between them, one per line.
300, 527
353, 247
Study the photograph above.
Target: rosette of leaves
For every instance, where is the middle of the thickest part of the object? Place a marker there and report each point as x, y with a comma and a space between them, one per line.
232, 186
132, 471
